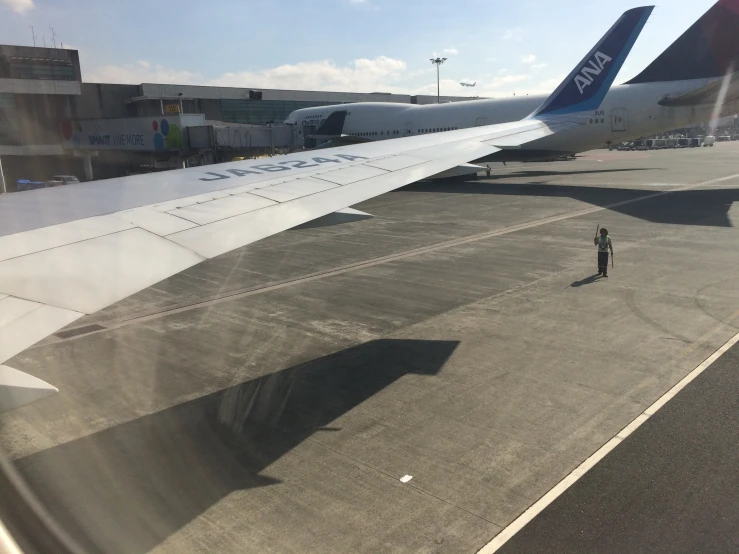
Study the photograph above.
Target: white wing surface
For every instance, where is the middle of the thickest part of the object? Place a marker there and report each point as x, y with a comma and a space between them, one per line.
70, 251
51, 275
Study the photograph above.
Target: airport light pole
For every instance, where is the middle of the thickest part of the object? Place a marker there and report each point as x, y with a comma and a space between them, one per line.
438, 62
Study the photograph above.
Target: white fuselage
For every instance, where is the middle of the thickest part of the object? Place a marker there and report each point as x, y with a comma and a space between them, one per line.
628, 112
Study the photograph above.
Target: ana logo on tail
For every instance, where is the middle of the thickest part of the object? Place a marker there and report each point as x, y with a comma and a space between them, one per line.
595, 67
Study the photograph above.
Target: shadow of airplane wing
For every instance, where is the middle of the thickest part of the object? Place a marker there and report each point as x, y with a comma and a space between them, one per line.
700, 207
129, 487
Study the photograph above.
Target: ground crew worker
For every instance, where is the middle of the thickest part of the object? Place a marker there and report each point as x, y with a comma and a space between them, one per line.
604, 244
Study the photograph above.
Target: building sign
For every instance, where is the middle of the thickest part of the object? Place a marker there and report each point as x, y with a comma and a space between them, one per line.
172, 108
136, 133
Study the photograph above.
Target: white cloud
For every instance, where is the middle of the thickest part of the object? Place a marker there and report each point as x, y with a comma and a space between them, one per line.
364, 4
380, 74
514, 34
18, 6
141, 72
494, 87
528, 59
363, 75
451, 51
538, 66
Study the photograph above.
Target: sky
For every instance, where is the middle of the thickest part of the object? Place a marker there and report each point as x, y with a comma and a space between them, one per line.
522, 47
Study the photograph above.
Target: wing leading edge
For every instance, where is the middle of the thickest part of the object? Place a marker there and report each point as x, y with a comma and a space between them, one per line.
71, 251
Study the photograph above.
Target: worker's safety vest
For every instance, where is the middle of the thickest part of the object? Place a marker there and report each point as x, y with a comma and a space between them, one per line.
603, 243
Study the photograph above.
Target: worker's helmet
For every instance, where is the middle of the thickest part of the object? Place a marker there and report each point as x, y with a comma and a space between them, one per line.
604, 231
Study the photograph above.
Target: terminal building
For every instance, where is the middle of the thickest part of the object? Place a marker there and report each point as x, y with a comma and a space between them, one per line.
52, 123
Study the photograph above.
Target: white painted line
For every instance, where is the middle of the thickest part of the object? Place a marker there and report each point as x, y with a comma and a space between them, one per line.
631, 427
690, 376
535, 509
406, 478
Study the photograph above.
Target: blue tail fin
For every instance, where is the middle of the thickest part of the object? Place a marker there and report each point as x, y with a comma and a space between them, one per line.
587, 85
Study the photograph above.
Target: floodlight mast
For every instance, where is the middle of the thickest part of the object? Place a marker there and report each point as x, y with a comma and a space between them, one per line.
438, 62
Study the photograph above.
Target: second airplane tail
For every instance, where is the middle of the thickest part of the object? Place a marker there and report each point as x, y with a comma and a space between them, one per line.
709, 49
587, 85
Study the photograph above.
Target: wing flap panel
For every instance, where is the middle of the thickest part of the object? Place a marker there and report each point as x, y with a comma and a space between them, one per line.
395, 163
351, 174
222, 208
14, 308
31, 327
191, 200
28, 242
294, 189
159, 223
87, 276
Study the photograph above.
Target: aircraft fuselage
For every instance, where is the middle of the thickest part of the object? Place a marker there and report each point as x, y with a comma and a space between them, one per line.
628, 112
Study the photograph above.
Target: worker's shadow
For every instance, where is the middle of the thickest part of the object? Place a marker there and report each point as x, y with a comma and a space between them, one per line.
587, 281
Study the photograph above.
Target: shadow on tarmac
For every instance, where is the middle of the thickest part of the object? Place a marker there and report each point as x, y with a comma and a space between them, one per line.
587, 281
129, 487
702, 207
545, 173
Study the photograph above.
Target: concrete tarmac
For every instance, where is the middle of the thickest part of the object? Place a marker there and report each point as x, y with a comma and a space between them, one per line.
271, 400
670, 487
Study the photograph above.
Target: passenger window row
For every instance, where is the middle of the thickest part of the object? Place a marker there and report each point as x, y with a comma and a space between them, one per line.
437, 130
420, 131
375, 133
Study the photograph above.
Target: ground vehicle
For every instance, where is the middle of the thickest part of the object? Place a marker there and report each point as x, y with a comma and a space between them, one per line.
683, 142
59, 180
25, 184
709, 140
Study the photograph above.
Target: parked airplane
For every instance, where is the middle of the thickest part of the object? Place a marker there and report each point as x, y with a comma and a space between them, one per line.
682, 87
70, 251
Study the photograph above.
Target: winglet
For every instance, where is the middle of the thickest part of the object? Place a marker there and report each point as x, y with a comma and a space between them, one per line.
18, 389
587, 85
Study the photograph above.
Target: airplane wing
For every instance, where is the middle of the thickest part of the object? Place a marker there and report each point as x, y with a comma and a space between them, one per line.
70, 251
718, 92
332, 141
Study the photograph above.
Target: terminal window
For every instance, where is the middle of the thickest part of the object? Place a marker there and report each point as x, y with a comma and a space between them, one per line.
37, 68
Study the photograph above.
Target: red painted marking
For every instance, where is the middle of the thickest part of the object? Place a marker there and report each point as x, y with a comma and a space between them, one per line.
720, 26
67, 129
732, 5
